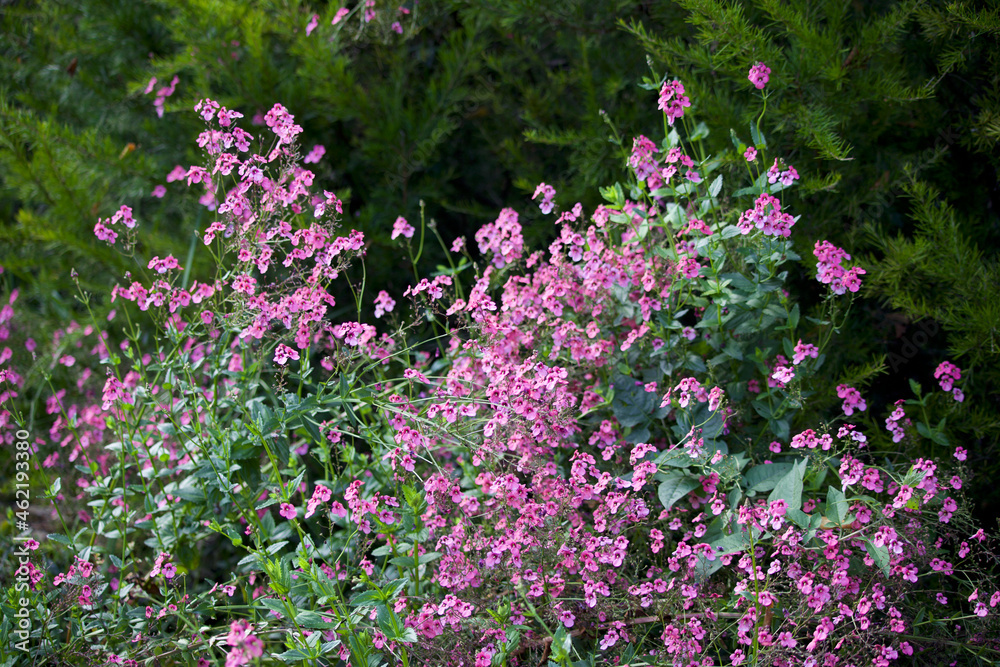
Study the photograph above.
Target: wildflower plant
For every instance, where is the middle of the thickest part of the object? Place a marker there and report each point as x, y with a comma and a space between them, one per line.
602, 453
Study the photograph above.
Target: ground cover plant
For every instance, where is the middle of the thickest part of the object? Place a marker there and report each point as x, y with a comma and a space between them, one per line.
625, 448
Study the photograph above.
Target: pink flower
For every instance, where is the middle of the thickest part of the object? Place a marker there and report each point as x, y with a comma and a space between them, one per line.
759, 75
115, 391
548, 193
313, 22
672, 100
246, 647
162, 566
340, 15
283, 353
159, 191
105, 234
288, 511
314, 156
783, 374
168, 263
642, 161
947, 374
402, 228
804, 351
960, 453
245, 284
829, 269
750, 154
852, 399
383, 304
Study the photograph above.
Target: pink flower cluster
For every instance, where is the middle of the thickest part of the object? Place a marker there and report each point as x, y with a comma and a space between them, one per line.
947, 374
852, 399
804, 351
548, 194
246, 647
830, 269
894, 421
103, 229
402, 228
673, 101
162, 94
767, 217
163, 566
502, 239
642, 161
786, 176
759, 75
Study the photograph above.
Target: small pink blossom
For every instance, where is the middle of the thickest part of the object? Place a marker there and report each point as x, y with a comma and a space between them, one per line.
283, 353
402, 228
340, 15
759, 75
315, 155
547, 193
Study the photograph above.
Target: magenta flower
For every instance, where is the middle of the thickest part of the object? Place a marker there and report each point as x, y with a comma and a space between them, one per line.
759, 75
340, 15
383, 303
673, 101
852, 399
642, 161
287, 511
314, 156
402, 228
246, 646
313, 22
283, 353
830, 271
548, 194
804, 351
783, 374
750, 154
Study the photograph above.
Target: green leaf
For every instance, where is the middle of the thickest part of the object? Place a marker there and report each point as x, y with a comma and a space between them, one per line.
716, 187
674, 488
731, 544
793, 317
789, 487
764, 477
311, 619
631, 403
294, 655
836, 505
275, 606
367, 597
880, 555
